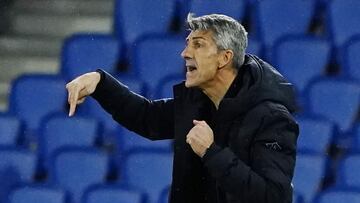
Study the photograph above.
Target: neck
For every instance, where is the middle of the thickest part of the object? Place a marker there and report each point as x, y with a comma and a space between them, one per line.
220, 85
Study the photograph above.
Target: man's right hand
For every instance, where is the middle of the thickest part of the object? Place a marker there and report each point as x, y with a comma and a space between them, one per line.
81, 87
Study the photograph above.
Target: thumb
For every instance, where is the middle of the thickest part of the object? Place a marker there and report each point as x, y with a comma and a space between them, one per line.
196, 122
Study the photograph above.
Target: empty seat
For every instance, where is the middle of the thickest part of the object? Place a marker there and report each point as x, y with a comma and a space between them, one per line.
254, 47
351, 58
35, 96
343, 20
301, 59
165, 86
309, 171
315, 135
139, 164
37, 194
83, 53
75, 169
152, 66
59, 130
136, 18
348, 171
10, 130
337, 100
20, 162
339, 196
111, 194
277, 18
232, 8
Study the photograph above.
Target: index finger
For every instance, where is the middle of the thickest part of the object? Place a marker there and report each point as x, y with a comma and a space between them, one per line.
73, 97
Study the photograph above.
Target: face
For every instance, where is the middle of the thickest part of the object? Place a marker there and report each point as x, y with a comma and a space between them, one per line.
202, 59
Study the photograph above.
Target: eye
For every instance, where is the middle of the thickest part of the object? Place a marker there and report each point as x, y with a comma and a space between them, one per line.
197, 44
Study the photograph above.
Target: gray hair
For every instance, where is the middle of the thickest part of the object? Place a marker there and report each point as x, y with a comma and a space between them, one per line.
227, 33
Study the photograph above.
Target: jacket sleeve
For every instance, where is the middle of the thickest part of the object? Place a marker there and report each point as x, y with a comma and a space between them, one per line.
267, 177
151, 119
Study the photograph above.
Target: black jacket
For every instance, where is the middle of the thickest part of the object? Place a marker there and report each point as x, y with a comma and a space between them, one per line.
253, 162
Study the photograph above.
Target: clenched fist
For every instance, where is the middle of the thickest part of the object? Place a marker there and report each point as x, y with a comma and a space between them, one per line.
200, 137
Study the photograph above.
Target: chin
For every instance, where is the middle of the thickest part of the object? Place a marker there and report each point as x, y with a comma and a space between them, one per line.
189, 84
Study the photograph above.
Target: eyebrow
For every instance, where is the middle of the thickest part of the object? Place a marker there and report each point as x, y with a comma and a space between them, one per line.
194, 38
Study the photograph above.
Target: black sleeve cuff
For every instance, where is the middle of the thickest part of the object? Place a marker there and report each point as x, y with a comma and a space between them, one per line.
211, 151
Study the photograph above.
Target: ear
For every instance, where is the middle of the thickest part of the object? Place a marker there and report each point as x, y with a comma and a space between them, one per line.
225, 58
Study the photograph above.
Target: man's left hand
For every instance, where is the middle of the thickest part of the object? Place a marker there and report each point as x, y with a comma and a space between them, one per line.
200, 137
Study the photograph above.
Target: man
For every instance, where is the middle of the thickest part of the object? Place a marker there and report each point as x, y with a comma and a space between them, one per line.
234, 136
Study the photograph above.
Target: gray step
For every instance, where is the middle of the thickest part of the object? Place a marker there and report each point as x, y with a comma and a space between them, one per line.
59, 26
27, 45
13, 66
4, 95
72, 7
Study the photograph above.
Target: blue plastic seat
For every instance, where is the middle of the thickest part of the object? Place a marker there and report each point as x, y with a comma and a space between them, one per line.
84, 53
165, 86
232, 8
315, 135
111, 194
349, 176
277, 18
254, 47
75, 169
351, 59
20, 162
343, 20
337, 100
339, 196
136, 18
156, 57
301, 59
139, 164
59, 131
38, 194
35, 96
309, 171
10, 130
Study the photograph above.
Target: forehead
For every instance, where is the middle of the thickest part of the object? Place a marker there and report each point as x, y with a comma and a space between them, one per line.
206, 35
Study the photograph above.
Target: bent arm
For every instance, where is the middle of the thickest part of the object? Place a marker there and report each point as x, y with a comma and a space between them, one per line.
151, 119
267, 177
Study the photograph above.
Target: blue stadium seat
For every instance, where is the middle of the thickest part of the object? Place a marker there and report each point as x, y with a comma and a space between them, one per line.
165, 86
75, 169
301, 59
315, 135
309, 171
10, 130
21, 162
165, 194
37, 194
351, 58
356, 138
128, 140
339, 196
158, 56
139, 164
35, 96
59, 131
277, 18
111, 194
343, 20
337, 100
349, 176
232, 8
254, 47
136, 18
92, 108
83, 53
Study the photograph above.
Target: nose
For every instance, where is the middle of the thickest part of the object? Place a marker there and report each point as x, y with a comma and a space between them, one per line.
185, 53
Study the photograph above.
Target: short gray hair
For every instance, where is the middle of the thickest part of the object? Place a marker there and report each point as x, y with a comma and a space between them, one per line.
227, 33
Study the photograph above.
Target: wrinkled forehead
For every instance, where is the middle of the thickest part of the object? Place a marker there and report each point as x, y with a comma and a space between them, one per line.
206, 35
